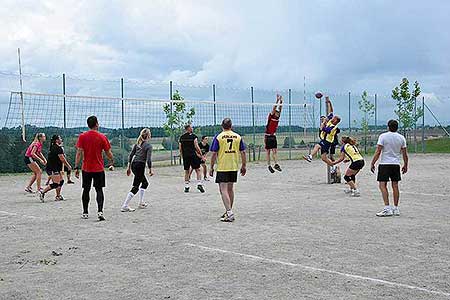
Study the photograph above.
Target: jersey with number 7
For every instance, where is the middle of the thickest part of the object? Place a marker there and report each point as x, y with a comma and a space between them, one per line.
228, 146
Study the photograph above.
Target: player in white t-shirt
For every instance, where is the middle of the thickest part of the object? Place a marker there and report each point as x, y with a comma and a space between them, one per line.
390, 146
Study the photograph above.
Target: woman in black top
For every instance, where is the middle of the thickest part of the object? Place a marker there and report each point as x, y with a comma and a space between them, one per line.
55, 166
204, 146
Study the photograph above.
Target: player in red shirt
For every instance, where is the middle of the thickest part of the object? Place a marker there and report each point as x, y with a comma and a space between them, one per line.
270, 139
90, 147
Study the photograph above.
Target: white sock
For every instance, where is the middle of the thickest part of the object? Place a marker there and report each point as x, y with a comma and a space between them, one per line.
388, 207
141, 195
395, 207
199, 182
229, 212
127, 199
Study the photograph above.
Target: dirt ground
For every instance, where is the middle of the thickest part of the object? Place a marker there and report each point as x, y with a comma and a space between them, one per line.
294, 237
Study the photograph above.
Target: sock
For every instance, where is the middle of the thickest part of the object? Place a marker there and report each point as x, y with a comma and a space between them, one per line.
230, 212
388, 207
395, 207
186, 184
141, 195
199, 182
127, 199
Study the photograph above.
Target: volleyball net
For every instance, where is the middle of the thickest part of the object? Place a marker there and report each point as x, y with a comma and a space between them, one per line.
121, 119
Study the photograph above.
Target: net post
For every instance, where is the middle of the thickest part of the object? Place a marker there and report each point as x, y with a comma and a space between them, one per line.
290, 124
171, 125
415, 125
375, 113
64, 101
253, 122
122, 144
214, 100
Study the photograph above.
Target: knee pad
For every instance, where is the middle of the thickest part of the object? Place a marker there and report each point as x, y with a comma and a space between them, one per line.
347, 178
61, 183
134, 190
54, 185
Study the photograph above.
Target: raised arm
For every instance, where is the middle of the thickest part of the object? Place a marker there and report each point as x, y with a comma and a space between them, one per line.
329, 105
281, 104
274, 108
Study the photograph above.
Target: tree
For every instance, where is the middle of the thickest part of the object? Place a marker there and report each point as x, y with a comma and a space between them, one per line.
177, 115
368, 110
406, 112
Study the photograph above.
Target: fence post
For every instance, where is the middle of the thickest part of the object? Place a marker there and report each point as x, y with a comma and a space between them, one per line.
253, 122
423, 124
171, 125
214, 100
122, 144
415, 125
64, 101
375, 113
290, 130
349, 113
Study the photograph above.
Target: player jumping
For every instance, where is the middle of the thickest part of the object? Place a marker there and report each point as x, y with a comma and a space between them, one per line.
270, 139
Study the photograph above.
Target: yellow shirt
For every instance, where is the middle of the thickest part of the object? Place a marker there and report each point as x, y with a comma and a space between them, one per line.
328, 132
351, 152
228, 146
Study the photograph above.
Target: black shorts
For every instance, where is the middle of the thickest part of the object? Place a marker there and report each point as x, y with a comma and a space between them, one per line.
325, 147
51, 172
357, 165
389, 172
333, 149
270, 142
229, 176
27, 160
97, 177
191, 161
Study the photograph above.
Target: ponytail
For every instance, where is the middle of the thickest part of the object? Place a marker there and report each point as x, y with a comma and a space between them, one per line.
143, 136
38, 136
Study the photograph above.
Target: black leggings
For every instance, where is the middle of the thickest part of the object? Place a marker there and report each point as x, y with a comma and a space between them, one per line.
138, 169
85, 198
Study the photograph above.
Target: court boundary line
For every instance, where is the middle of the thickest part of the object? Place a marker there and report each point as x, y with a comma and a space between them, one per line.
315, 269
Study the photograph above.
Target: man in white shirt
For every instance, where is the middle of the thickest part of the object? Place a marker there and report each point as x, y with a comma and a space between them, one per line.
390, 145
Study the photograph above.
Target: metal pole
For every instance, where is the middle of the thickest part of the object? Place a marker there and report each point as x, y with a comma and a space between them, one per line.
415, 125
290, 124
171, 125
123, 122
349, 112
423, 125
22, 104
376, 128
64, 100
253, 121
214, 100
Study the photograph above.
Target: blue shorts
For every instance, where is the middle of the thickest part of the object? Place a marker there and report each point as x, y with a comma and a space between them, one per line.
325, 147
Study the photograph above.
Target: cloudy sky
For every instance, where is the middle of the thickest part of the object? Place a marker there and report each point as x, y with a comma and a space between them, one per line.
337, 45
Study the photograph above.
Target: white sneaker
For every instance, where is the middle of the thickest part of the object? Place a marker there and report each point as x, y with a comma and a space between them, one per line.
355, 193
308, 157
127, 209
85, 216
348, 191
143, 205
333, 169
396, 211
386, 212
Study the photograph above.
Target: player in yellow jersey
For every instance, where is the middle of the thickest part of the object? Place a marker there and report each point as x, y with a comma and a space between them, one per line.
226, 148
328, 130
350, 152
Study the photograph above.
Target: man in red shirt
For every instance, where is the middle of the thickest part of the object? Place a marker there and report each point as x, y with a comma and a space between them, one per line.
90, 147
270, 139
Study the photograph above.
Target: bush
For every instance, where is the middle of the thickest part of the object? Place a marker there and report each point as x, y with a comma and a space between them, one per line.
166, 143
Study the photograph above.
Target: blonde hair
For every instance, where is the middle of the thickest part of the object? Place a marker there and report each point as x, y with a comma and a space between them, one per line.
144, 135
349, 140
38, 136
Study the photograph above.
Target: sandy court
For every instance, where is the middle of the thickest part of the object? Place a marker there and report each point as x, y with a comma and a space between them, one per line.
294, 237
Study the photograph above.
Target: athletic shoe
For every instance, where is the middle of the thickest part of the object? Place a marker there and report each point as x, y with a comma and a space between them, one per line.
41, 196
271, 169
223, 216
28, 189
59, 198
206, 179
308, 157
200, 188
333, 169
228, 218
396, 211
386, 212
100, 216
186, 189
84, 216
348, 191
127, 209
277, 167
355, 193
143, 205
70, 182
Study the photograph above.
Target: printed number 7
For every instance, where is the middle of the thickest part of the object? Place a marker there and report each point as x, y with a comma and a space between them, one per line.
231, 143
